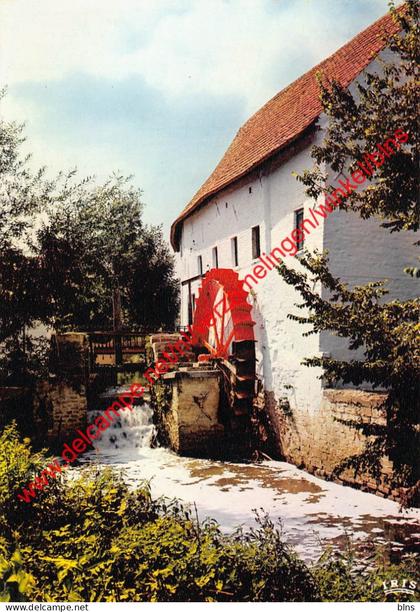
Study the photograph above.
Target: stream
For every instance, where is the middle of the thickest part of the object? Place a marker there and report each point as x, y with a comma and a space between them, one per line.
313, 512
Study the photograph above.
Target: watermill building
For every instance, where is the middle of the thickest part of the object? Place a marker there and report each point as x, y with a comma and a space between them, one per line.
247, 205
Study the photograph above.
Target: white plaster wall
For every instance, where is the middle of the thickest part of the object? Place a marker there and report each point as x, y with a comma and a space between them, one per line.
281, 346
271, 204
214, 225
360, 250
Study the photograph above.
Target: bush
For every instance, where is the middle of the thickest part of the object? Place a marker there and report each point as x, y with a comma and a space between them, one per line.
18, 465
345, 577
93, 539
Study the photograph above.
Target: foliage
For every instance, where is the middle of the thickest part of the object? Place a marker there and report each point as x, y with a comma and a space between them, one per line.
14, 581
67, 246
92, 539
94, 244
358, 121
23, 192
343, 576
20, 296
22, 196
17, 463
24, 360
388, 334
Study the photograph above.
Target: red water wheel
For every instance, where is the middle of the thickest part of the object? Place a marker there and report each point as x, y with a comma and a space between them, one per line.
224, 327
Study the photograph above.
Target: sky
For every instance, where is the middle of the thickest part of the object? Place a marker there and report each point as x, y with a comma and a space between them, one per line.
157, 89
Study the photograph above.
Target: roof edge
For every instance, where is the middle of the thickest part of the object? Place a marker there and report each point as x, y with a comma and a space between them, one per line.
209, 194
175, 229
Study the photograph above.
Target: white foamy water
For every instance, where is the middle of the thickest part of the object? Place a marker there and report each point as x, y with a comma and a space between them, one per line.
313, 512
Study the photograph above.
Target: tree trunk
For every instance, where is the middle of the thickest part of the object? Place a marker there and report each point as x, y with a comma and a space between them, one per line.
117, 324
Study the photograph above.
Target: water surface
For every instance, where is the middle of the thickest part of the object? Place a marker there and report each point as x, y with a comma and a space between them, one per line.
312, 512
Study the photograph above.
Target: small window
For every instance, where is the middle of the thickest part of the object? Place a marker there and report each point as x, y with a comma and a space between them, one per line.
193, 302
234, 245
256, 249
298, 222
215, 258
199, 265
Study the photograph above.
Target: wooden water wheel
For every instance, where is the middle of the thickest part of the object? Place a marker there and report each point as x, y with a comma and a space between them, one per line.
224, 328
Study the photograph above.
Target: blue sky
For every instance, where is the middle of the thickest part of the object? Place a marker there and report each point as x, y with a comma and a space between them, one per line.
157, 88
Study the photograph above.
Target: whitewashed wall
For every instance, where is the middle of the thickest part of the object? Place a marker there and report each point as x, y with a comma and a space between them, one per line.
271, 204
359, 250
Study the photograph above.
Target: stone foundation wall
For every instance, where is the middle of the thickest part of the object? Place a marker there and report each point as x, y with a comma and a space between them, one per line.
187, 408
59, 410
60, 403
319, 442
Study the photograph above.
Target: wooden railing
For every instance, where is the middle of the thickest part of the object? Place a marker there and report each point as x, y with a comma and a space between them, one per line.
115, 349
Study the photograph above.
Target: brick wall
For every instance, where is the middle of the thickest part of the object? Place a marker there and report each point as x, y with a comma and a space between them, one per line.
60, 403
318, 442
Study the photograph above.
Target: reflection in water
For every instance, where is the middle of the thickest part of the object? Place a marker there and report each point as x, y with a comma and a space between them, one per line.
313, 512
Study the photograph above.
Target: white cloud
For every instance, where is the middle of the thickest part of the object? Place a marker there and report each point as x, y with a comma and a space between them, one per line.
178, 46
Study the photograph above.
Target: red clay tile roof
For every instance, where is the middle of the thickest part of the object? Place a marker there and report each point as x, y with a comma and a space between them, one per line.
283, 118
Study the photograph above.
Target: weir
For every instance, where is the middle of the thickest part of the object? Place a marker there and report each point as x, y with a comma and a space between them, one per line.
130, 431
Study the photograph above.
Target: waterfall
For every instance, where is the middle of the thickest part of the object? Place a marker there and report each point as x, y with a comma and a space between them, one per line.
132, 430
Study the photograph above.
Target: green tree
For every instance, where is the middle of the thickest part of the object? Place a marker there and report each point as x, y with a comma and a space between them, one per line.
94, 247
22, 196
359, 121
67, 247
387, 332
23, 300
